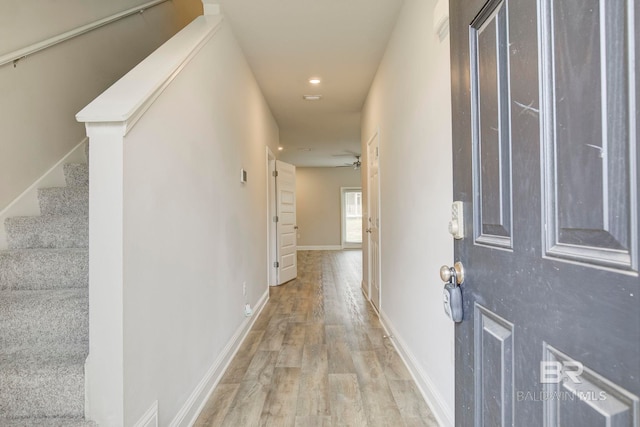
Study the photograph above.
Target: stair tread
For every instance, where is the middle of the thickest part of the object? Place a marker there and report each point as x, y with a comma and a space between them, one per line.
42, 382
21, 359
64, 200
44, 268
46, 218
46, 422
43, 250
48, 231
44, 318
72, 190
25, 295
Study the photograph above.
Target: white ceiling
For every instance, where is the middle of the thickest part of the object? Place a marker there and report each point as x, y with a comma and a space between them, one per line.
289, 41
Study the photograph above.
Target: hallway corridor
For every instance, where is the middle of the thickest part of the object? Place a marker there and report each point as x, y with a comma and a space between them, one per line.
317, 356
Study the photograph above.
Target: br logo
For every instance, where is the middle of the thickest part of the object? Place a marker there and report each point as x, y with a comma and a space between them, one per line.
554, 372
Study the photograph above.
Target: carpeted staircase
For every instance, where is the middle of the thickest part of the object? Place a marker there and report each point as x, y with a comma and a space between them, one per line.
44, 309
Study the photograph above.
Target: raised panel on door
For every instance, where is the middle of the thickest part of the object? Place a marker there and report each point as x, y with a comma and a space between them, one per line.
493, 346
597, 72
489, 50
592, 401
545, 160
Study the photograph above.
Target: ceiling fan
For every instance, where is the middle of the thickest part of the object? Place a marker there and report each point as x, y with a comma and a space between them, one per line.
356, 165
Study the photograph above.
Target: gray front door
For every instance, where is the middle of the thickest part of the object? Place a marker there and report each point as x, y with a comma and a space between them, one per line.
546, 162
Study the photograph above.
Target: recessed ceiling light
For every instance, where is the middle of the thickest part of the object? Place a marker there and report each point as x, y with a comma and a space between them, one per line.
314, 81
312, 97
280, 148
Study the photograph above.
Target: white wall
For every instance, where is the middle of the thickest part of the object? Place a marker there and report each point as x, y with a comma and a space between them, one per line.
318, 208
192, 232
410, 103
41, 95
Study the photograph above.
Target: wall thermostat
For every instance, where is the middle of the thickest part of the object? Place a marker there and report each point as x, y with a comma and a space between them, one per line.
243, 176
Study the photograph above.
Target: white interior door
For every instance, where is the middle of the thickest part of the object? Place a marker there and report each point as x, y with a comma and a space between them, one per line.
287, 263
373, 222
272, 239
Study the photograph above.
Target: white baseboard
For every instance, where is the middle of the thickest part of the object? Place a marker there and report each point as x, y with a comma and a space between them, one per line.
365, 290
352, 246
150, 418
320, 248
26, 204
443, 413
190, 411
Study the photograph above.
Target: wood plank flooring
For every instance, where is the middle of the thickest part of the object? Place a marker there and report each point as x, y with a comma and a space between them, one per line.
317, 356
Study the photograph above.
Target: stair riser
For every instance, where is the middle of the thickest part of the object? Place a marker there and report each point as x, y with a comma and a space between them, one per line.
76, 174
47, 232
33, 318
32, 269
64, 201
52, 392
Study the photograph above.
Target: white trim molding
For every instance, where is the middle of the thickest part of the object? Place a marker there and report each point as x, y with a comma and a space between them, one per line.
150, 417
443, 413
194, 405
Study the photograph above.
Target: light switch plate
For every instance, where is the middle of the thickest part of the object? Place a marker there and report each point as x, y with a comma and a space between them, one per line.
456, 225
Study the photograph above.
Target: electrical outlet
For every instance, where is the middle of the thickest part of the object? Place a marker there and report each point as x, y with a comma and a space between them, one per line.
248, 311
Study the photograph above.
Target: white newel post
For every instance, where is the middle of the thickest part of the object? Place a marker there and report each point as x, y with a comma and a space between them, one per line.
105, 365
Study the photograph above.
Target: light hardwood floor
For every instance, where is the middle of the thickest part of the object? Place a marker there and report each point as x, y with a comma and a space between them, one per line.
317, 356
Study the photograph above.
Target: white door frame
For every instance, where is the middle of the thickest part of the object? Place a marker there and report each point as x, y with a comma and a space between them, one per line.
272, 247
343, 219
375, 138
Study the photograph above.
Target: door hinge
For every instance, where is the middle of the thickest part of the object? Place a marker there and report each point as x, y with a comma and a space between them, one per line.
275, 219
276, 264
274, 173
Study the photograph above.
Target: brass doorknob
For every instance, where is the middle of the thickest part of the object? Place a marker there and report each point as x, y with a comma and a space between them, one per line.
446, 273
